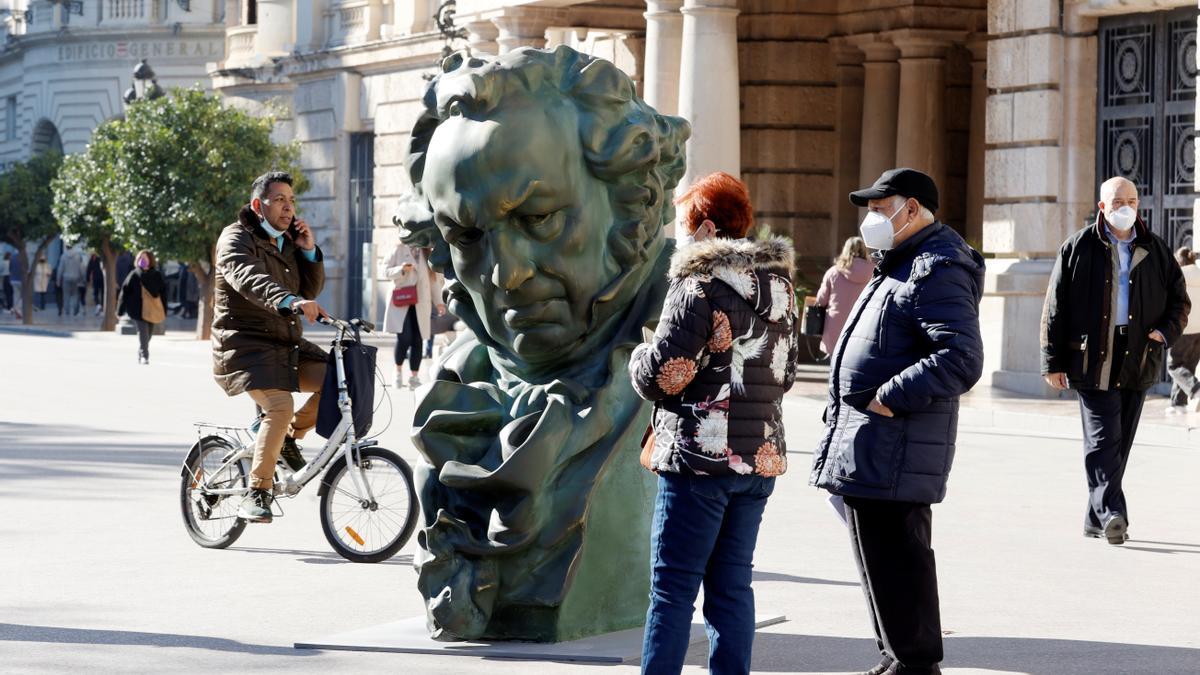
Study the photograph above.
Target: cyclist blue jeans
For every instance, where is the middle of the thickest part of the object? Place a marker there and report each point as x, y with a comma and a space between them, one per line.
705, 529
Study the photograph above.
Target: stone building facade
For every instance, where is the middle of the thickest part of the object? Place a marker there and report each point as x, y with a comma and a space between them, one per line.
64, 66
1018, 108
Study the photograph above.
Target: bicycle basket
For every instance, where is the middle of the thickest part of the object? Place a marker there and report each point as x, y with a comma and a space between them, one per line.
359, 362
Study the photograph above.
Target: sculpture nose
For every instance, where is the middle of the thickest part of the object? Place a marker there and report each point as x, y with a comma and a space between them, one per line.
511, 266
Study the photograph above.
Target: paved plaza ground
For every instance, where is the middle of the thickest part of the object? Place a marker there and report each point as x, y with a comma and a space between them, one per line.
98, 575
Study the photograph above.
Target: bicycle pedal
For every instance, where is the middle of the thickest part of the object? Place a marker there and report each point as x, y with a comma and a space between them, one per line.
276, 507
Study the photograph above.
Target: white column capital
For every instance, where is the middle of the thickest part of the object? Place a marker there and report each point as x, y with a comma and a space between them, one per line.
876, 47
710, 7
481, 36
663, 9
525, 26
925, 44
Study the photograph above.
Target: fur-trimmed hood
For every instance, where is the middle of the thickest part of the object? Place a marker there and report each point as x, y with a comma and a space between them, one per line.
742, 255
758, 271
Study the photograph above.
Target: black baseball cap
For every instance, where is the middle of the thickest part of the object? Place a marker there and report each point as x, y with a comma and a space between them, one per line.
904, 182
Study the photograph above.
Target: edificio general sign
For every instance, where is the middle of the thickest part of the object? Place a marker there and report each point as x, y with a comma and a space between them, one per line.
140, 50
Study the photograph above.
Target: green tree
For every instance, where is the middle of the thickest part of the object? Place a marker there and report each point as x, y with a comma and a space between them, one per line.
25, 201
81, 192
181, 169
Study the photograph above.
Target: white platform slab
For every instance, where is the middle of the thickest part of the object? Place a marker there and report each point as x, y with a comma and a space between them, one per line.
410, 637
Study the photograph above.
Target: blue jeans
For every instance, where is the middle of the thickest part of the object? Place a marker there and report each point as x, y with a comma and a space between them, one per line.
705, 528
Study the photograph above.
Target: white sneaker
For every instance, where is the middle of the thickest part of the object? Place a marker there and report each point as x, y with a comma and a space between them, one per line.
1176, 410
399, 382
1193, 405
414, 382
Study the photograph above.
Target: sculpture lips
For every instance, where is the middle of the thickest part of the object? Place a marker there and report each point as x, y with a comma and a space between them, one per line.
532, 314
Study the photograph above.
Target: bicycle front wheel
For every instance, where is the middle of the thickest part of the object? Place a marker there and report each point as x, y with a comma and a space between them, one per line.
211, 520
369, 530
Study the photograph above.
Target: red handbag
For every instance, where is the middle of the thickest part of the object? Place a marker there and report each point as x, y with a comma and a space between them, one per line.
405, 296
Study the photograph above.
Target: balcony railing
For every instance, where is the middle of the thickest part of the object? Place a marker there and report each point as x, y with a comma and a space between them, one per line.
239, 47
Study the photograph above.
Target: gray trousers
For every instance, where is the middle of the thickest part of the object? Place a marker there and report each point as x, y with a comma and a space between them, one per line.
1181, 365
144, 329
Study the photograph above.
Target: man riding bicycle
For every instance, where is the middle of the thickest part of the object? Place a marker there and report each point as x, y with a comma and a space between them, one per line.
269, 271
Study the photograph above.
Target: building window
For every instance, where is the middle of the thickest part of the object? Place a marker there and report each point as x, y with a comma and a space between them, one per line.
10, 119
251, 12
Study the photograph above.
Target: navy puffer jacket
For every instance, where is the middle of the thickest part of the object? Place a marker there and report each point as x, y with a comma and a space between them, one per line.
913, 341
722, 357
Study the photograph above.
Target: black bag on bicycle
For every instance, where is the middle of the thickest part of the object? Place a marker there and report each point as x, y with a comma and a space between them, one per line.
359, 361
814, 319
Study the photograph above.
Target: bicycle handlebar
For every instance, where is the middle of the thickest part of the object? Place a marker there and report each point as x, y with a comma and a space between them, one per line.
352, 324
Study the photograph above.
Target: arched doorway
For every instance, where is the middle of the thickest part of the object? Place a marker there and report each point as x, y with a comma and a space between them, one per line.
46, 138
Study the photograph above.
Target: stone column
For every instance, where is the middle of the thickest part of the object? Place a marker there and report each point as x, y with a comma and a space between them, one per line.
846, 163
275, 36
664, 39
481, 37
976, 139
709, 91
881, 89
920, 119
525, 27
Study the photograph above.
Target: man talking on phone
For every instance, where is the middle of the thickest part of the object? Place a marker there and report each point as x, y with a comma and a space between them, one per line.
269, 272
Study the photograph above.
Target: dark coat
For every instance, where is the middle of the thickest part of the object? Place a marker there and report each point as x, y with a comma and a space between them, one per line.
1078, 320
255, 344
913, 342
129, 301
722, 357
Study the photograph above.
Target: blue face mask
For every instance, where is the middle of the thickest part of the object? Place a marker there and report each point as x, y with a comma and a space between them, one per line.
270, 228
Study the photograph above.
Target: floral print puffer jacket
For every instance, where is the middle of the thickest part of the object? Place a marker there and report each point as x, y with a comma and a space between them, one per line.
722, 357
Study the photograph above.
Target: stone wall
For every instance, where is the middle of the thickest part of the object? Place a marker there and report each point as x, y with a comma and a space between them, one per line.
788, 119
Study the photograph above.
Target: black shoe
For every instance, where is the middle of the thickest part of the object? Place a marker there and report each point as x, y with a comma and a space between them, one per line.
291, 454
1093, 532
1115, 529
256, 507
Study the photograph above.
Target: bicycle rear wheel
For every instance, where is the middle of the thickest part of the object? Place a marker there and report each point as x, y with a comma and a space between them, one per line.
211, 520
366, 531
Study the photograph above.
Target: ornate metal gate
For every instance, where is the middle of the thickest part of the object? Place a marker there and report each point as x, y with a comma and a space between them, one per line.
1146, 114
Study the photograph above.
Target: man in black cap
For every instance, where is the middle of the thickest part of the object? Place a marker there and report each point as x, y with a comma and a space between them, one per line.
910, 348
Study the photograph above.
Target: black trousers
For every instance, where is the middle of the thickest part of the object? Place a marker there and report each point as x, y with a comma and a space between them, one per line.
1110, 421
408, 341
892, 548
144, 330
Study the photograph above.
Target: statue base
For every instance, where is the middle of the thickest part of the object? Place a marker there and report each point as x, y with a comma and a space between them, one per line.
410, 636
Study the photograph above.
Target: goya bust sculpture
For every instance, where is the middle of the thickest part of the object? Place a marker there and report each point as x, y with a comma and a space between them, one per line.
542, 183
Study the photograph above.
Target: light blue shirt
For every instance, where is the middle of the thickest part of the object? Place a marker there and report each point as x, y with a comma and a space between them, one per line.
310, 255
1125, 255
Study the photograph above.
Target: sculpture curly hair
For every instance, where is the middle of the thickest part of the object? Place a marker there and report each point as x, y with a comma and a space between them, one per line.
638, 152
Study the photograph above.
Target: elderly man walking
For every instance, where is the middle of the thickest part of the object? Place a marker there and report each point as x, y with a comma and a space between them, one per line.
1116, 299
910, 348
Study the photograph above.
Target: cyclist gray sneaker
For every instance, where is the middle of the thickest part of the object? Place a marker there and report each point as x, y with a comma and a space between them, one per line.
256, 507
291, 454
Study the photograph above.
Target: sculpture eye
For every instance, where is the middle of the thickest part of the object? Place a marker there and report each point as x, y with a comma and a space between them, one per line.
467, 236
544, 226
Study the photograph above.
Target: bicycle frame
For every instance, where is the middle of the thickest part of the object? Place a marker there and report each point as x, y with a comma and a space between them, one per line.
342, 439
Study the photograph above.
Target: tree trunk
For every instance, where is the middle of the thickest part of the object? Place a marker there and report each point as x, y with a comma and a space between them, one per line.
110, 285
204, 313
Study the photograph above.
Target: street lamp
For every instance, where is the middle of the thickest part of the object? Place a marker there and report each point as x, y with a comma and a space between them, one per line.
145, 84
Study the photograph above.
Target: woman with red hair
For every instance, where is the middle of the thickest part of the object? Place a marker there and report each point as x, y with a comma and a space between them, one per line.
717, 368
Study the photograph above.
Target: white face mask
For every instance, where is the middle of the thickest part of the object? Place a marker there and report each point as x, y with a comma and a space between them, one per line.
877, 231
1123, 218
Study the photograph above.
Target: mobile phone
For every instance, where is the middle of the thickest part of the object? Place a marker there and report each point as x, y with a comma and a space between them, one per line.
292, 230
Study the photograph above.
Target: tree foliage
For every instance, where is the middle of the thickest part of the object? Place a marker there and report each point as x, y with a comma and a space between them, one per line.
26, 199
81, 192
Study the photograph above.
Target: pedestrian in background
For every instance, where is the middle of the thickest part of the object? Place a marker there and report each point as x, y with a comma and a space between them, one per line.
416, 293
6, 295
720, 361
144, 276
841, 286
1116, 297
42, 274
16, 277
71, 269
95, 279
1184, 354
124, 265
910, 348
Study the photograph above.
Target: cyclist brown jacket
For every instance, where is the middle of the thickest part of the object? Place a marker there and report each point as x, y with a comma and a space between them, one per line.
255, 344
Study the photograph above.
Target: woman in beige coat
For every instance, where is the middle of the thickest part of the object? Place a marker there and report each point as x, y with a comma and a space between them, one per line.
409, 266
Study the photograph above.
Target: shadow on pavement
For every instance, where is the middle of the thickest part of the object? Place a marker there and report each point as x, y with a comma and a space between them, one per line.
11, 632
776, 652
66, 443
320, 557
776, 576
